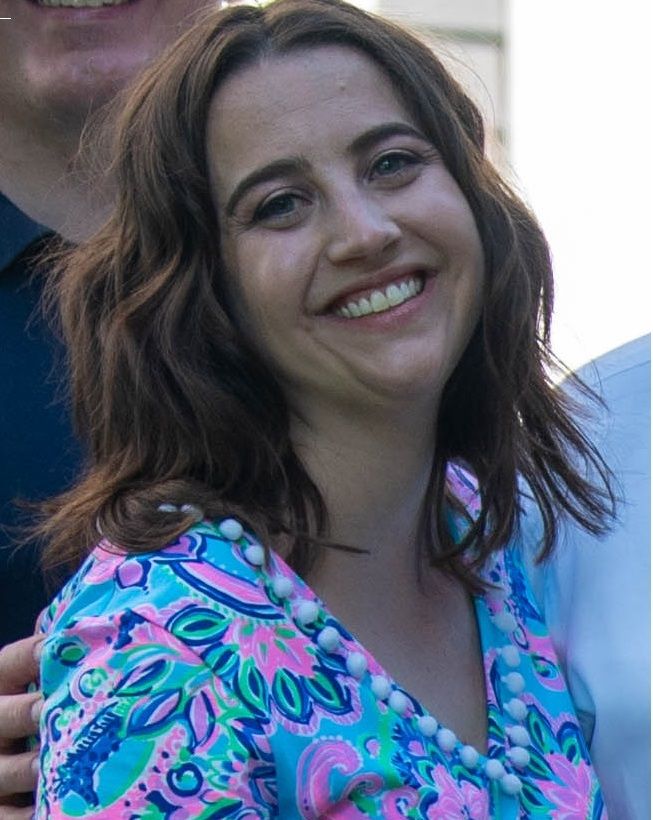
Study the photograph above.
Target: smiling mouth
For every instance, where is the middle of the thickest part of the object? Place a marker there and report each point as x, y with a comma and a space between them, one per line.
81, 4
381, 300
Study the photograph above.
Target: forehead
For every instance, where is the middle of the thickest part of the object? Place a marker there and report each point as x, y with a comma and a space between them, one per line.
302, 102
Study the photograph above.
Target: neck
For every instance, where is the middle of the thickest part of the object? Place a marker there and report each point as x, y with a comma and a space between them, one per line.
373, 474
44, 174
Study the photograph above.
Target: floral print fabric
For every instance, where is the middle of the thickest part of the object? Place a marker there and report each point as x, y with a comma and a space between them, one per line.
179, 684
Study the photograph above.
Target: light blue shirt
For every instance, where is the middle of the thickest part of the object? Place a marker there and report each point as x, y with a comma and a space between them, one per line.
595, 594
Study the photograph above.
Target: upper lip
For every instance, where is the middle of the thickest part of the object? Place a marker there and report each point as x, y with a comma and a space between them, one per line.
376, 281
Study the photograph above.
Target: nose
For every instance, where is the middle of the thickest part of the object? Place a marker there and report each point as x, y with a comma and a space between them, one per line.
360, 228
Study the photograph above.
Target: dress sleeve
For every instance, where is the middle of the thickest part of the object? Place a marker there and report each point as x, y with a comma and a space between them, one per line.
136, 724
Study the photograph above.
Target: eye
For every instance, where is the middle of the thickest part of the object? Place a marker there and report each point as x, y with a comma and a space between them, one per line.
395, 164
282, 208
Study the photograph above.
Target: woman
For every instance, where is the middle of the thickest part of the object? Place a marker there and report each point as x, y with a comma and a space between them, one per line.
314, 303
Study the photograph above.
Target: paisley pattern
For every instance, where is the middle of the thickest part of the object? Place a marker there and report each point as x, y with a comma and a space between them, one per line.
179, 685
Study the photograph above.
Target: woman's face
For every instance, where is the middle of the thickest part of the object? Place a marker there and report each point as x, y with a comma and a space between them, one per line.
354, 260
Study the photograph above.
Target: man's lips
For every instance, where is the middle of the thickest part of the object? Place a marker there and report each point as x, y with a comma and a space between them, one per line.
80, 5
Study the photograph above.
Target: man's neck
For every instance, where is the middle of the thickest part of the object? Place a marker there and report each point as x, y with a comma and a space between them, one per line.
43, 174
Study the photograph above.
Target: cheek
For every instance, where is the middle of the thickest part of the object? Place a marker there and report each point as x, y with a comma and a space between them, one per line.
261, 293
236, 284
472, 292
255, 283
275, 273
467, 252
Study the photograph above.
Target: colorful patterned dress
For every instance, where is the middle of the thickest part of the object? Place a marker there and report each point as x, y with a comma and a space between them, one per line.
195, 682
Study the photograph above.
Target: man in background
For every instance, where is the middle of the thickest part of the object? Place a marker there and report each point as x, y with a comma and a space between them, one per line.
59, 64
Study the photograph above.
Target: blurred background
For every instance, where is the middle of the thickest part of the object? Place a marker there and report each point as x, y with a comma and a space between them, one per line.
566, 87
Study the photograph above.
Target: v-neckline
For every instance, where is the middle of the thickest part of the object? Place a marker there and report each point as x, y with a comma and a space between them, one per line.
495, 725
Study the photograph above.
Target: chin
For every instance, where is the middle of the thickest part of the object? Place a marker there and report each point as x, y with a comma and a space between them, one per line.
71, 90
420, 386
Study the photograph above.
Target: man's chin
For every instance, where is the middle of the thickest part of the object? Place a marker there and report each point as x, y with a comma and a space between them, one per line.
73, 89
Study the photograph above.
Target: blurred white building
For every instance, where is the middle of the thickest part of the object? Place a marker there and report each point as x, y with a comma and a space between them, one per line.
567, 92
581, 141
471, 37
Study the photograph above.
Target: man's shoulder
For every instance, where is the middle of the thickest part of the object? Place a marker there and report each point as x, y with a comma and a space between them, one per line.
621, 431
622, 371
17, 231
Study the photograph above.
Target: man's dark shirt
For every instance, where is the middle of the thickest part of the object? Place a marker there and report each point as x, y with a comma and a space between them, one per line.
38, 452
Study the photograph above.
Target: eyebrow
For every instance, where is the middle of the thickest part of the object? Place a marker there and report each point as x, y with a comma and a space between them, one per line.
289, 166
279, 168
380, 132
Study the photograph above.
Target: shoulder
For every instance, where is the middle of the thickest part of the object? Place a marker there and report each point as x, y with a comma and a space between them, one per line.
17, 231
148, 684
204, 576
621, 364
622, 379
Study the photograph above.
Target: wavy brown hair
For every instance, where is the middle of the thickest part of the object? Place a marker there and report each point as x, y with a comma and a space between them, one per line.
174, 404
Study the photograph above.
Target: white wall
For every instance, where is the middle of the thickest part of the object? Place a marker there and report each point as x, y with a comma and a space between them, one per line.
581, 143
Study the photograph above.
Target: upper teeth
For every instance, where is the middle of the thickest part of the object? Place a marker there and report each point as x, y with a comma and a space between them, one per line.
380, 300
77, 4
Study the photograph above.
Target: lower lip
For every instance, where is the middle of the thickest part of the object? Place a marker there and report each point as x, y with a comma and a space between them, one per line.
394, 317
